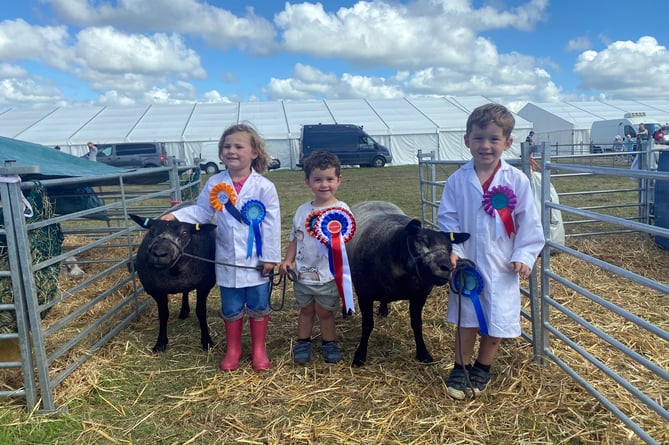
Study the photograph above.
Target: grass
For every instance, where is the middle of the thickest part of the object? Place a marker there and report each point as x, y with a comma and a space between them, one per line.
126, 394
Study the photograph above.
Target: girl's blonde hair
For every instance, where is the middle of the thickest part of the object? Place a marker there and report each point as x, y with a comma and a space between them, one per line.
260, 163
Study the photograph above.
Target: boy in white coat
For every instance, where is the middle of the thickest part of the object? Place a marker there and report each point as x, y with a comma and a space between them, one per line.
493, 202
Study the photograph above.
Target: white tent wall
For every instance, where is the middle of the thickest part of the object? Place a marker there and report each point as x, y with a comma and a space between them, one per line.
404, 125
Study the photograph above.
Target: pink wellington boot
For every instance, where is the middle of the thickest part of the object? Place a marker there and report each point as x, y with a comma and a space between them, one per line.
258, 335
233, 333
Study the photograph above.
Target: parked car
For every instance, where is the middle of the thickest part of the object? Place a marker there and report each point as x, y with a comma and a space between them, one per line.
133, 154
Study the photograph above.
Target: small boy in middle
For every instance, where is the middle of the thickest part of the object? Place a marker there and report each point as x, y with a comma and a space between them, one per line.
315, 289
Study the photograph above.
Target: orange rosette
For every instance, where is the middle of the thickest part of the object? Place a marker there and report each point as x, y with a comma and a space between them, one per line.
221, 194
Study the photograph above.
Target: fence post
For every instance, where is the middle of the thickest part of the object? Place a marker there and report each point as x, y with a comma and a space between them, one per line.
175, 183
23, 286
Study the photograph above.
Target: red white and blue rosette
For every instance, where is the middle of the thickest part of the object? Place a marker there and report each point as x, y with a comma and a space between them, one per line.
499, 202
334, 228
253, 213
466, 280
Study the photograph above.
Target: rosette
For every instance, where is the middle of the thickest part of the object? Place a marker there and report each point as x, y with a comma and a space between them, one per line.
223, 195
334, 227
467, 281
310, 223
499, 202
253, 213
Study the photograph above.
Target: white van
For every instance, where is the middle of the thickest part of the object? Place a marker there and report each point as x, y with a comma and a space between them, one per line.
207, 158
603, 133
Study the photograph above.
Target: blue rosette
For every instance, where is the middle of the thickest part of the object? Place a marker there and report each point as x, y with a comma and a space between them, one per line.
253, 213
467, 281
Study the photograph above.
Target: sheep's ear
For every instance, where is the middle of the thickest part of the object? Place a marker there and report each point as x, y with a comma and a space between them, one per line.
413, 227
143, 222
457, 237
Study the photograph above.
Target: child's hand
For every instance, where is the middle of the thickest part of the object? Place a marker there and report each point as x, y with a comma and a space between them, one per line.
454, 260
523, 270
284, 266
168, 217
267, 268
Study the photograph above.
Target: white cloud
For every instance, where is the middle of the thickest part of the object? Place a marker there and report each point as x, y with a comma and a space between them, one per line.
626, 69
217, 26
108, 50
28, 92
578, 44
40, 43
417, 35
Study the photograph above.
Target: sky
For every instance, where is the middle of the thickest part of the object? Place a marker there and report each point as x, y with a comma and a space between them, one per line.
129, 52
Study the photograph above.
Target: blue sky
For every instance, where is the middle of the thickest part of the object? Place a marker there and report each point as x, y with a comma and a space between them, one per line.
67, 52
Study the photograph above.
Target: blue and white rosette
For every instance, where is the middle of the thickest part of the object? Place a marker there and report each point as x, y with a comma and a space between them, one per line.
334, 227
467, 281
253, 213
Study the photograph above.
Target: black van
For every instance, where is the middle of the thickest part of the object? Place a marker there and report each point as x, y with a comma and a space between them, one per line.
133, 154
349, 142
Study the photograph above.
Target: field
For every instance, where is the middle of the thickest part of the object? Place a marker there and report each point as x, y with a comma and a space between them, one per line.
125, 394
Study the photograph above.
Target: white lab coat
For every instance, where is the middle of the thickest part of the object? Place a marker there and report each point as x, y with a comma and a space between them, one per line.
232, 236
461, 210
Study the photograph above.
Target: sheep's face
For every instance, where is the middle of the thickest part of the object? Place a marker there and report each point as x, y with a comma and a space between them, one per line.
166, 242
431, 252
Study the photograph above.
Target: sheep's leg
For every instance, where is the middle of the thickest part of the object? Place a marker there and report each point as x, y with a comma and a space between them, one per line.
185, 307
383, 309
416, 314
163, 314
367, 311
201, 312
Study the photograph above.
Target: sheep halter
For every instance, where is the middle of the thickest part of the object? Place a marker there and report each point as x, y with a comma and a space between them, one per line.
334, 227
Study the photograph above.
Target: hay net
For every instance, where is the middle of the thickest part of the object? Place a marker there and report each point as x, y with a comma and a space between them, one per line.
45, 243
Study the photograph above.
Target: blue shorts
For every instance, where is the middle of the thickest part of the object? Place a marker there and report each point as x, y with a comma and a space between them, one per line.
255, 299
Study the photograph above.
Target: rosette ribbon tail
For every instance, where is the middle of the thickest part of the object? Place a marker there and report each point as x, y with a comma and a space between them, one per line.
342, 272
254, 235
483, 327
507, 220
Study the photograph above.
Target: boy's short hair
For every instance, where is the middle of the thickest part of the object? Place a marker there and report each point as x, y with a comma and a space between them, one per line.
492, 114
321, 160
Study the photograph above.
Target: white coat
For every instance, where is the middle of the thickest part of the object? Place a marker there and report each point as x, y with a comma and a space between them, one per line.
232, 235
461, 210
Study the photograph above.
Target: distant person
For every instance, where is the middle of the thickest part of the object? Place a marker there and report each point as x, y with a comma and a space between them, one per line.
629, 143
92, 152
658, 136
57, 147
530, 140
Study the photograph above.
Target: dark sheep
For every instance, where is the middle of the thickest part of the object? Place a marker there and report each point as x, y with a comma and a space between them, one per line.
164, 269
393, 258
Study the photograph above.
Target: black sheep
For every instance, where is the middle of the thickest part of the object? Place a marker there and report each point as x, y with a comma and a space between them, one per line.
164, 266
393, 258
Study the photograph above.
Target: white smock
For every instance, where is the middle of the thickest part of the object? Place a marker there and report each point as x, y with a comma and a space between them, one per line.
232, 236
461, 210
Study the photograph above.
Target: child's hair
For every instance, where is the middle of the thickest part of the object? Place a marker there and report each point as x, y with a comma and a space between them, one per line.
492, 114
321, 160
260, 163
